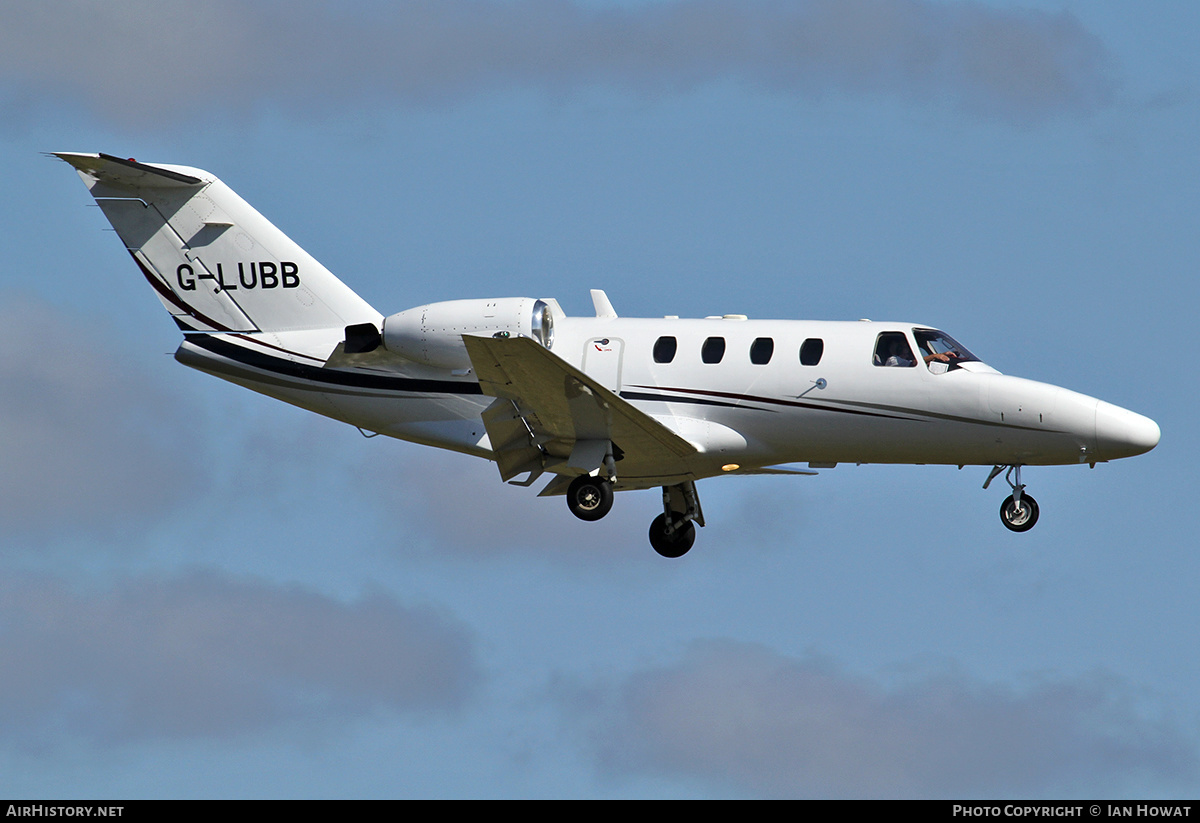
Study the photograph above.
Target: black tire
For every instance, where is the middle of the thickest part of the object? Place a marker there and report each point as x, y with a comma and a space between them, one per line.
1022, 518
589, 498
678, 543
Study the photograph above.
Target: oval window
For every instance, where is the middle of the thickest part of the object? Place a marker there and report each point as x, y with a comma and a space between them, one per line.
761, 350
713, 350
811, 351
664, 349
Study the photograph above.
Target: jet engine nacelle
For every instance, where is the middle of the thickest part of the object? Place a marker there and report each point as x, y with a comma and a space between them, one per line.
433, 333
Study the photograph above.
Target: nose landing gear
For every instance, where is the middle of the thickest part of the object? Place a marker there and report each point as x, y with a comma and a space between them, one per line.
673, 532
673, 543
1019, 511
1019, 515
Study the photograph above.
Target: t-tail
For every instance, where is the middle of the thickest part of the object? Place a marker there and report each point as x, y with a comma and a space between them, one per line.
216, 264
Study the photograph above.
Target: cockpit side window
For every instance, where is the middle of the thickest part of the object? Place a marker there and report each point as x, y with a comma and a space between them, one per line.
937, 347
892, 349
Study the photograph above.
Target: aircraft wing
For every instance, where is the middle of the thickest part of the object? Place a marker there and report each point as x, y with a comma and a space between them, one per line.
550, 415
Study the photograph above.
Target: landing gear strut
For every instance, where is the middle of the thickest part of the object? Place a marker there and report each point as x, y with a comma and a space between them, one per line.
1019, 511
673, 532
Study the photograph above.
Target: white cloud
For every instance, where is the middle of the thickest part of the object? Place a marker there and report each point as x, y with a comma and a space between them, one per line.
742, 718
155, 62
209, 655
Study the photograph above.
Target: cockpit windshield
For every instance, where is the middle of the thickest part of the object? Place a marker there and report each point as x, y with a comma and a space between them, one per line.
939, 347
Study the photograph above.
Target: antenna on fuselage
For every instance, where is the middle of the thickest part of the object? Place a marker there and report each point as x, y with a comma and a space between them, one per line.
604, 308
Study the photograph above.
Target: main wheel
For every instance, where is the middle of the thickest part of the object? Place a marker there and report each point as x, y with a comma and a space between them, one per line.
678, 543
1019, 518
589, 498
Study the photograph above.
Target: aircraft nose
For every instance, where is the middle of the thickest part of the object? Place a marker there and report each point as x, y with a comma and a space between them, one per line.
1122, 433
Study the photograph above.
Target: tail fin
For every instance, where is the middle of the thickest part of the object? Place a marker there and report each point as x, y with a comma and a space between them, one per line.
215, 262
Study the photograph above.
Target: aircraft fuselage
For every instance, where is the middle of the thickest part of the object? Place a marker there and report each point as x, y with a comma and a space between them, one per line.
845, 408
598, 403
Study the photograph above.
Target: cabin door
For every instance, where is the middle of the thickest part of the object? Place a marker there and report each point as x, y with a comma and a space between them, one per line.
602, 361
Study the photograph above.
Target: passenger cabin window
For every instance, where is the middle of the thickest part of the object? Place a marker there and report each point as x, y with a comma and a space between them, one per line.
713, 350
811, 351
761, 350
664, 349
892, 349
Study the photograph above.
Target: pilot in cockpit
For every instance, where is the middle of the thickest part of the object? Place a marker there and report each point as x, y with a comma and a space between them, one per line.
939, 348
939, 351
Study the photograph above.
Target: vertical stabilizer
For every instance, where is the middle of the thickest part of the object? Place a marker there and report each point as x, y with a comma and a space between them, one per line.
213, 260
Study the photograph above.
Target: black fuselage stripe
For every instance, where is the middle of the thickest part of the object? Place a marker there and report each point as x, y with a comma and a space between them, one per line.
336, 377
744, 398
695, 401
915, 415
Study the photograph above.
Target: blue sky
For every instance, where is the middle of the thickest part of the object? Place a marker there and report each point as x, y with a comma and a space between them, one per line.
207, 593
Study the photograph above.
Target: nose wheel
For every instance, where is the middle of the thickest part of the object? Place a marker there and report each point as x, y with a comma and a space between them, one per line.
1019, 515
673, 543
674, 531
1019, 511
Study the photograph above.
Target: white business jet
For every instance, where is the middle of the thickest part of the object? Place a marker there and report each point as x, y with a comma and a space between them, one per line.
600, 403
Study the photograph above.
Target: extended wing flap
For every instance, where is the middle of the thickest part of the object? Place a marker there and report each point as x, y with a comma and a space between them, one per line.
562, 405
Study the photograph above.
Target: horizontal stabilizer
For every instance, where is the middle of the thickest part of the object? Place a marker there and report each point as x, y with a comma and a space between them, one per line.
127, 174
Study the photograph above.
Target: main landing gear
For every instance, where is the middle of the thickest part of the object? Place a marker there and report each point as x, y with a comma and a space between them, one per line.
671, 534
590, 498
1019, 511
